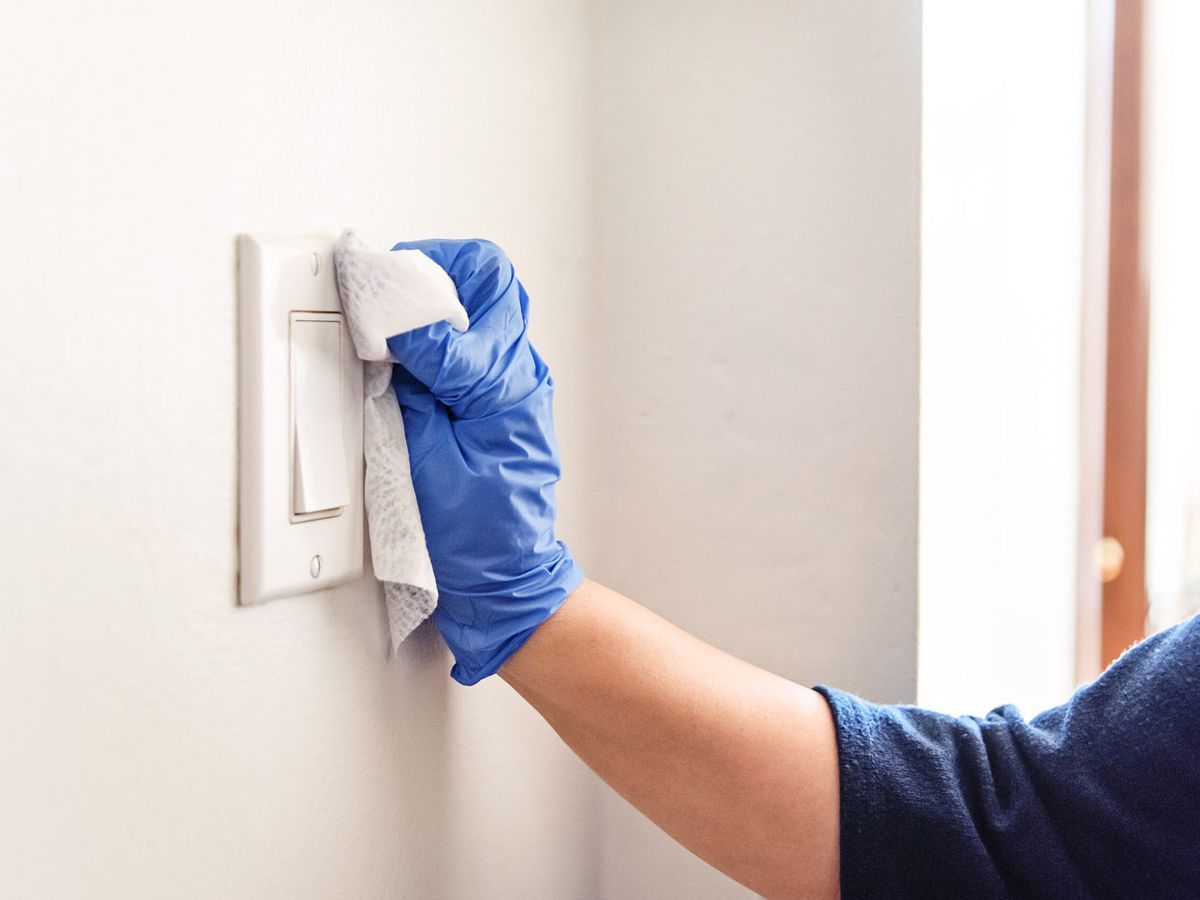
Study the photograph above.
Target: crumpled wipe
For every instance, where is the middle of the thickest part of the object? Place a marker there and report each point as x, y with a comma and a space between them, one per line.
385, 293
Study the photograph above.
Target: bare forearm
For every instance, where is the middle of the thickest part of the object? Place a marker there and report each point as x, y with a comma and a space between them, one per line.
738, 765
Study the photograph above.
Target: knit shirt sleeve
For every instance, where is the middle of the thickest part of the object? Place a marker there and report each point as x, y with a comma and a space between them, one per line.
1098, 797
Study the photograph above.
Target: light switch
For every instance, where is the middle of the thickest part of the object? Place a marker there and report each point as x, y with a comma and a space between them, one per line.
319, 485
300, 423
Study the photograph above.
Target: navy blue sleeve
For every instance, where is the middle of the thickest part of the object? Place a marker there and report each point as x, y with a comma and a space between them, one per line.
1099, 797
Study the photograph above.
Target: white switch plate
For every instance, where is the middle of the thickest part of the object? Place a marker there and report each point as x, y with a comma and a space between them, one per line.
281, 554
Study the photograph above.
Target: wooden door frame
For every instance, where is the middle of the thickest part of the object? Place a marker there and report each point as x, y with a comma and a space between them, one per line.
1123, 618
1115, 348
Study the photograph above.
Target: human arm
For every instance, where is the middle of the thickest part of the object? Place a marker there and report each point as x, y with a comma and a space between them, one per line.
1099, 797
737, 764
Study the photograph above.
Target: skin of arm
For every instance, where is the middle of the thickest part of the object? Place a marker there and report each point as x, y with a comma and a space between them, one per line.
738, 765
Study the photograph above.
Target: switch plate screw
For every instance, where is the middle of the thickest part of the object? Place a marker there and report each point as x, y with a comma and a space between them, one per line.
314, 566
315, 263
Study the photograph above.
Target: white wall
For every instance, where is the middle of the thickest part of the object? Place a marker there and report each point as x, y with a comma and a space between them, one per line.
737, 408
159, 740
1173, 482
757, 348
1002, 252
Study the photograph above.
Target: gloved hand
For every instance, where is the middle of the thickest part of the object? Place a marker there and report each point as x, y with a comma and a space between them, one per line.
477, 416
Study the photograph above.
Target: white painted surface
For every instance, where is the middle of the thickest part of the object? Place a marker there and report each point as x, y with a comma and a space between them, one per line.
158, 739
747, 378
1002, 250
756, 367
1173, 477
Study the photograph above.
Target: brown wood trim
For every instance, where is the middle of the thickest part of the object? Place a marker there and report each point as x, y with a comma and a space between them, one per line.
1123, 619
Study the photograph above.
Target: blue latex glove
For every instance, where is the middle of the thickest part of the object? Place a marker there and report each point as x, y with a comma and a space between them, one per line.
477, 415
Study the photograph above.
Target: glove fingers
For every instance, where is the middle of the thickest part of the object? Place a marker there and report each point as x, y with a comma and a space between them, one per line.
426, 421
423, 351
477, 371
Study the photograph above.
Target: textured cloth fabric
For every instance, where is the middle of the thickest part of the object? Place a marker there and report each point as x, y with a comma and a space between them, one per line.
1099, 797
385, 293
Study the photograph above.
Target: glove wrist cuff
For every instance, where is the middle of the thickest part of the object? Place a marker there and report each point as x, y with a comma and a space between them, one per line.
481, 648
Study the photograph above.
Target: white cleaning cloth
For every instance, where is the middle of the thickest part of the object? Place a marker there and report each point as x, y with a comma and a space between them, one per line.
385, 293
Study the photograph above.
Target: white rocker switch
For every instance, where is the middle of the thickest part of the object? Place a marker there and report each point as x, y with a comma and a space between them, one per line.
319, 484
